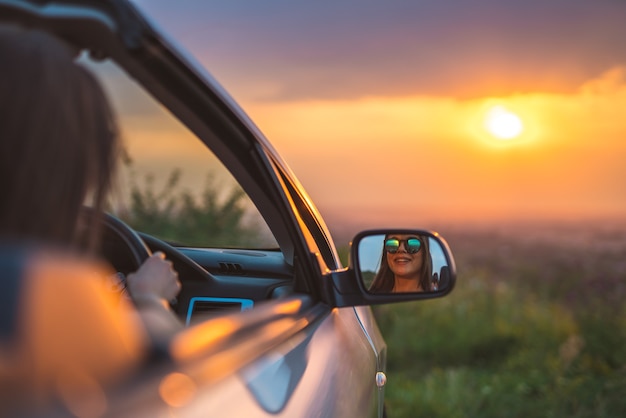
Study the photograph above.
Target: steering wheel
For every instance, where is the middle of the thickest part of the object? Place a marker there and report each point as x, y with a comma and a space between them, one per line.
128, 249
126, 240
138, 249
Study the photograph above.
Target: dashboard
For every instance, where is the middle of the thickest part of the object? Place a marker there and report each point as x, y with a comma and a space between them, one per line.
214, 281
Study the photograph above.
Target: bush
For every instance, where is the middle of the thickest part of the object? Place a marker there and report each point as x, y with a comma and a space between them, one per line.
217, 217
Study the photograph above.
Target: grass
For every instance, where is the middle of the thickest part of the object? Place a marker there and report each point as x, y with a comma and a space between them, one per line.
536, 327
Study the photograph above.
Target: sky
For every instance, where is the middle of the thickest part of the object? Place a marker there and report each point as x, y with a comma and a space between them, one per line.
379, 107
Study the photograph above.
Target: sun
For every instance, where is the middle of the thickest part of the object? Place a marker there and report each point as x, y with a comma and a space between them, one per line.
503, 124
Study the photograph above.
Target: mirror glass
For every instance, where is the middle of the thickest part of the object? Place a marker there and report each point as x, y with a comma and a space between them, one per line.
403, 261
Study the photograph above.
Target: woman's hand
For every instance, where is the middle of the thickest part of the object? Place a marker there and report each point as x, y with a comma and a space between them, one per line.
155, 280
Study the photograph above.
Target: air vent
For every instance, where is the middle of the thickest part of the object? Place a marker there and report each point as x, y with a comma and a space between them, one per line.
210, 307
231, 268
203, 307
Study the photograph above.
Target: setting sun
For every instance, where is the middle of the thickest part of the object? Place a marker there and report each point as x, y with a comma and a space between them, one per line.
503, 124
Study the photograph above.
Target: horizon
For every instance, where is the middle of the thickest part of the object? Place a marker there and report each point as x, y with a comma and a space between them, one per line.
343, 227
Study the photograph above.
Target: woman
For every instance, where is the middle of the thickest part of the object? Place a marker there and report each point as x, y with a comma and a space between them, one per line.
58, 151
67, 335
405, 266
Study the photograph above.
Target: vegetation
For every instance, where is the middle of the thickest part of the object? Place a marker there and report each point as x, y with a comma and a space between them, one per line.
536, 327
217, 217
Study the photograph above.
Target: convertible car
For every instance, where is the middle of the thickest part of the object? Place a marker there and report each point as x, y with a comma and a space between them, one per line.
272, 323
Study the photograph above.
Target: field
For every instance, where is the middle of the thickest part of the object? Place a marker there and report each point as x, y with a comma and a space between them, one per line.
536, 327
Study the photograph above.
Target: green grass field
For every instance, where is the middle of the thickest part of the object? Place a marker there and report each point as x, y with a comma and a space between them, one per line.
536, 327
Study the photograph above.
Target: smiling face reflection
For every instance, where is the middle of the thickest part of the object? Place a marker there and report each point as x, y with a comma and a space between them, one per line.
404, 255
405, 265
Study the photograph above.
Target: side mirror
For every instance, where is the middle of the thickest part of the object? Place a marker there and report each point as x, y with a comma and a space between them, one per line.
403, 261
393, 265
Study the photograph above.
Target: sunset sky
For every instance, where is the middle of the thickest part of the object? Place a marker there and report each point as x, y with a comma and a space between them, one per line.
380, 107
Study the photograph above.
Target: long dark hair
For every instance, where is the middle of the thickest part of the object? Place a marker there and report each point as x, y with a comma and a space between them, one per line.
58, 138
384, 279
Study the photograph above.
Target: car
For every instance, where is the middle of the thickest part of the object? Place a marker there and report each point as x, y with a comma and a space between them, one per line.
274, 324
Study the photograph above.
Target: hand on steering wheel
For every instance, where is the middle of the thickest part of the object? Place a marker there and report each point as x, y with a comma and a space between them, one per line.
155, 280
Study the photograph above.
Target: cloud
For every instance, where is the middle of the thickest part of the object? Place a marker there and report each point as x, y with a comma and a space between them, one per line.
611, 81
347, 49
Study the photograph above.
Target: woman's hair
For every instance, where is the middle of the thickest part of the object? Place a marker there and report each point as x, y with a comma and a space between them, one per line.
384, 280
58, 138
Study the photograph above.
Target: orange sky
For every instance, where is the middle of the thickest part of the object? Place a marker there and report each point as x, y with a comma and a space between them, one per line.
433, 156
379, 110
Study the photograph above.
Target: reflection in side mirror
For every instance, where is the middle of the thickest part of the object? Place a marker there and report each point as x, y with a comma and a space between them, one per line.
404, 261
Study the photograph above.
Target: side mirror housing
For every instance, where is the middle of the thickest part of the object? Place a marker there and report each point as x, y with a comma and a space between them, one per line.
395, 265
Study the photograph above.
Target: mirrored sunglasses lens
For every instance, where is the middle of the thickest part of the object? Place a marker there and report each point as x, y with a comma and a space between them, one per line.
413, 245
392, 245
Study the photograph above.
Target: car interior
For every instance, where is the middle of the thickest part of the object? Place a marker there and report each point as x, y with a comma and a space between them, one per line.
216, 276
214, 281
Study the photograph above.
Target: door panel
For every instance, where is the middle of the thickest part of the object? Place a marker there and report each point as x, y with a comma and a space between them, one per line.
327, 370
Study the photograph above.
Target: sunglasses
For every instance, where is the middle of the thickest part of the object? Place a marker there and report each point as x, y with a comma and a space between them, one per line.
411, 245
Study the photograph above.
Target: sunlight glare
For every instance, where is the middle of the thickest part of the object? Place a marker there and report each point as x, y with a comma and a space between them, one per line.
503, 124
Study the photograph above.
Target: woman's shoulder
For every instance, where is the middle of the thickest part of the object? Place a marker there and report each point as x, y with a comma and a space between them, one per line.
63, 316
